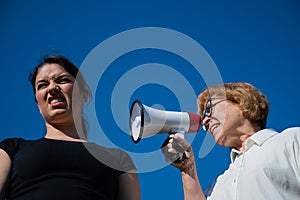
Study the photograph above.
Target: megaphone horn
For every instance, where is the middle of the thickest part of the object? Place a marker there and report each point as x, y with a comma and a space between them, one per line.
146, 121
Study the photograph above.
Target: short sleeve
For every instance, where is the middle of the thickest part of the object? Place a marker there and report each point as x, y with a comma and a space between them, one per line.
10, 146
113, 157
126, 162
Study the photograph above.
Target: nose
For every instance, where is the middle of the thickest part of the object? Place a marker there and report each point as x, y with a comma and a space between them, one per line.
53, 88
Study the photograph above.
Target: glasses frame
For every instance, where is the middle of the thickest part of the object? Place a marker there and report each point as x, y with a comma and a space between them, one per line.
209, 105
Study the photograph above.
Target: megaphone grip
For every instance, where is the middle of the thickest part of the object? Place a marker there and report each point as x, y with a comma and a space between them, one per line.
195, 121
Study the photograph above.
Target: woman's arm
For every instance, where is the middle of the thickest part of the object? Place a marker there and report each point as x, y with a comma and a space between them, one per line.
129, 186
191, 185
5, 165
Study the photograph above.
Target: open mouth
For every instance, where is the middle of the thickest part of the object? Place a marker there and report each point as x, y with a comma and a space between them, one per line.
56, 100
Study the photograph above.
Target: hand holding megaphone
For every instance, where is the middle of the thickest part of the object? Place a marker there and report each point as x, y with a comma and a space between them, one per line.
146, 121
172, 149
182, 158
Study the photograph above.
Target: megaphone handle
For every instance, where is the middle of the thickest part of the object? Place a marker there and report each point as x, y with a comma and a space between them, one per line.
178, 147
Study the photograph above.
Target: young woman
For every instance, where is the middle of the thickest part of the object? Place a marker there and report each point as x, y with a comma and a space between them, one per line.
59, 166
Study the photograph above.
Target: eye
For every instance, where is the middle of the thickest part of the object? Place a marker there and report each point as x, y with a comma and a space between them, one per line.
41, 86
207, 110
64, 80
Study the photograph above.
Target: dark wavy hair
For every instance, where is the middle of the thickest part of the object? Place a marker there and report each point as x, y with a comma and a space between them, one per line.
66, 64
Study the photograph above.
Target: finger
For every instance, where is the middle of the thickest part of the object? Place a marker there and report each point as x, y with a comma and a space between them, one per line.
167, 141
168, 150
178, 147
172, 158
182, 142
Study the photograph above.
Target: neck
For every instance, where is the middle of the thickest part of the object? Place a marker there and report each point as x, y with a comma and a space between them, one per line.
242, 133
67, 132
247, 132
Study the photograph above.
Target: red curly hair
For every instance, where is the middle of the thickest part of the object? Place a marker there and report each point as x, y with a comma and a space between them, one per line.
253, 103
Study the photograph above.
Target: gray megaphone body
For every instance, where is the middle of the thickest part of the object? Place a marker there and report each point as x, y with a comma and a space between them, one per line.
146, 121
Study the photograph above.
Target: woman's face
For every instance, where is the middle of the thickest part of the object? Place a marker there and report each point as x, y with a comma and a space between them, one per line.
225, 122
54, 88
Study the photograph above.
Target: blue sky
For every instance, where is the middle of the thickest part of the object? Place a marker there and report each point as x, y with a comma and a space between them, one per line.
253, 41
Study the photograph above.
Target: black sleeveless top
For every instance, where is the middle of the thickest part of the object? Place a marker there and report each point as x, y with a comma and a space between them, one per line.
58, 170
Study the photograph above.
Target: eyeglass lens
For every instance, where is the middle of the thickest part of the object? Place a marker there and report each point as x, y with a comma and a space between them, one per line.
208, 108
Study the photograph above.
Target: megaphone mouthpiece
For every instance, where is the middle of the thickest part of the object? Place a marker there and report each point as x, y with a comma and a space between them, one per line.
195, 121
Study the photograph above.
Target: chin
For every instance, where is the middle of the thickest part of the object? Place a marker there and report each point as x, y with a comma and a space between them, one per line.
57, 115
220, 140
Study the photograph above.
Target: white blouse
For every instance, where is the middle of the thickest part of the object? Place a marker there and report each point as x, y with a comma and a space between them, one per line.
269, 168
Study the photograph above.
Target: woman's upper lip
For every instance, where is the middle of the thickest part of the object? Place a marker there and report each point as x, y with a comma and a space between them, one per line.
55, 97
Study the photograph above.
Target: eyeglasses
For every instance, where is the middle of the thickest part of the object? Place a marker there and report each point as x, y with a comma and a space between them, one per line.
208, 107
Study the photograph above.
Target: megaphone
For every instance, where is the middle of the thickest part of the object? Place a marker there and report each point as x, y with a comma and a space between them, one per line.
146, 121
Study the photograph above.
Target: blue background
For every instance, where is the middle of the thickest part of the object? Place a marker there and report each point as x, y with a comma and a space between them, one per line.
253, 41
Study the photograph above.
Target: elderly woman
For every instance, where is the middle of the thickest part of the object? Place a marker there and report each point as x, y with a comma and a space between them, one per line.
58, 165
265, 164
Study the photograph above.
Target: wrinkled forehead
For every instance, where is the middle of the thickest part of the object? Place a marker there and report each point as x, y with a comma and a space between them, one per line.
51, 72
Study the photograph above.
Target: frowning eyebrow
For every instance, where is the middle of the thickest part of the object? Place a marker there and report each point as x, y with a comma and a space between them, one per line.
58, 78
